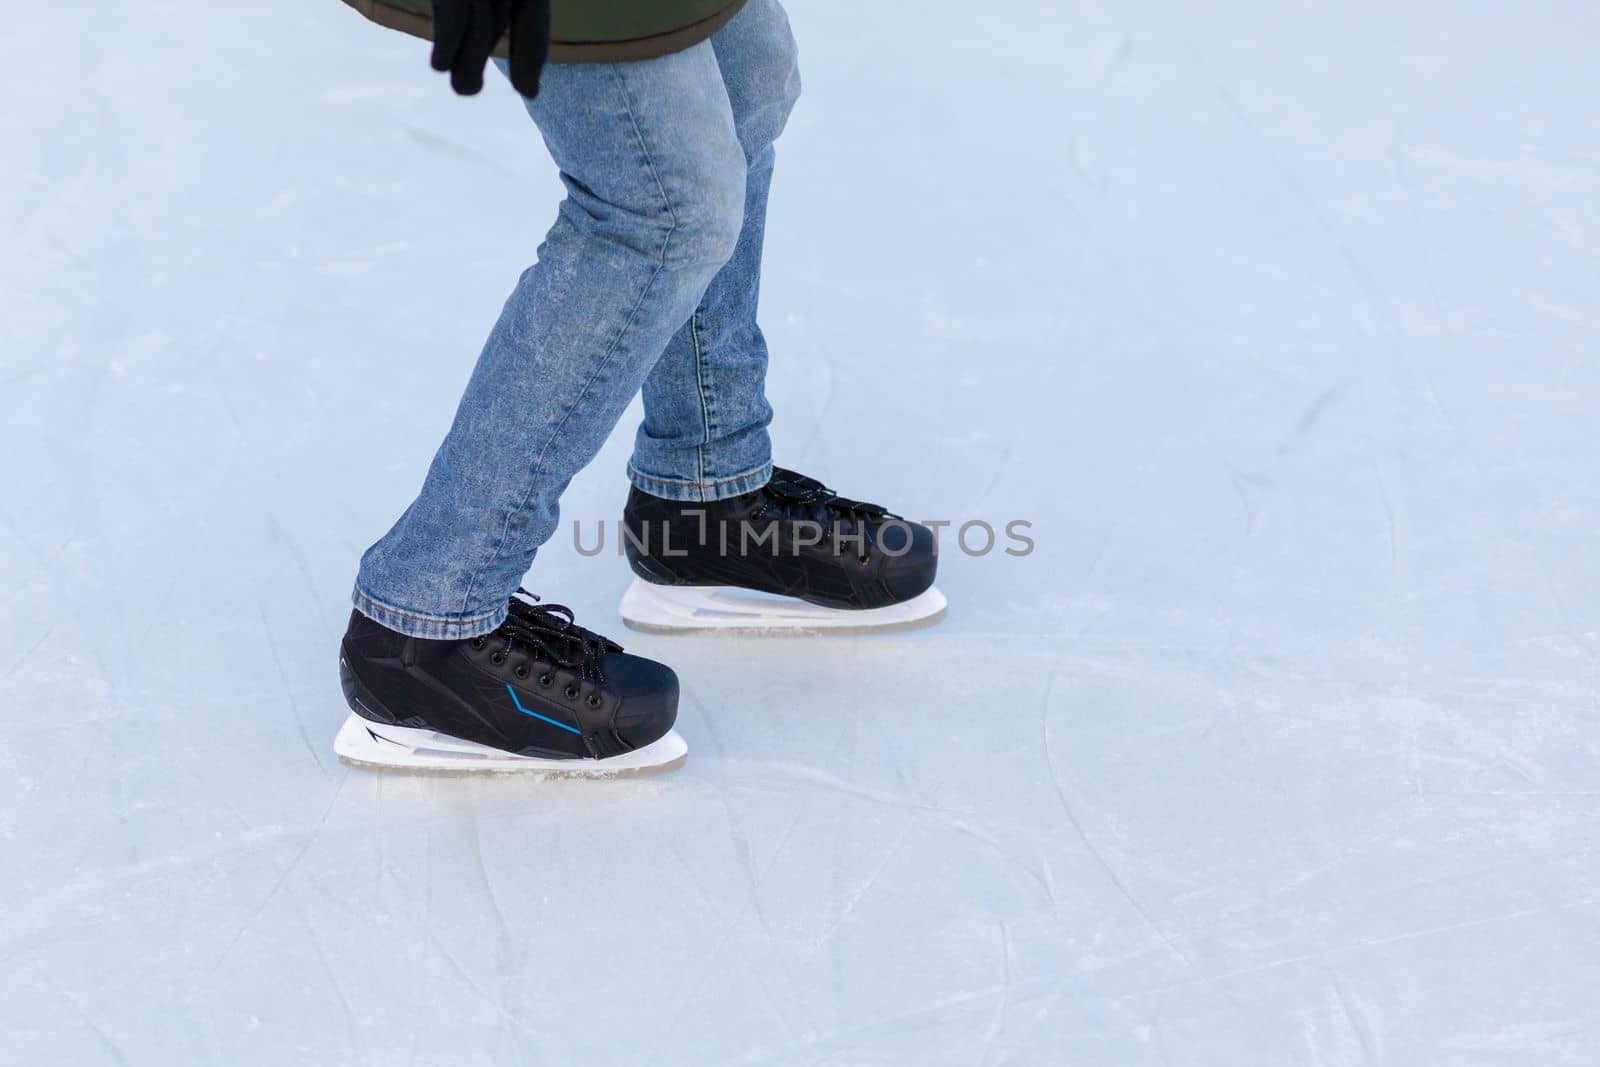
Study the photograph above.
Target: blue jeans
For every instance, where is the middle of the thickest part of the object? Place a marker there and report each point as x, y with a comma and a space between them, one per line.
649, 278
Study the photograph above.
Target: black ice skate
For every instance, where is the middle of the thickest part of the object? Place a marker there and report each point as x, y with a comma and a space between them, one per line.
793, 556
539, 694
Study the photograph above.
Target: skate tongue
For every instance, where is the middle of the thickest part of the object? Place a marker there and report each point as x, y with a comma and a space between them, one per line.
797, 488
791, 483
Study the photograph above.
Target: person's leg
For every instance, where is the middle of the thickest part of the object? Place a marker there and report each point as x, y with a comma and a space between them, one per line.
704, 435
655, 178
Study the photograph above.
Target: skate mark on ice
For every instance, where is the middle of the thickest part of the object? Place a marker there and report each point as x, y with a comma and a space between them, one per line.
1088, 844
827, 1048
352, 1028
506, 947
1041, 876
711, 961
476, 841
1242, 483
288, 688
1352, 946
1371, 294
27, 655
801, 772
446, 147
850, 902
1390, 522
1324, 402
105, 1040
998, 1023
957, 821
311, 839
292, 545
1342, 1002
517, 1028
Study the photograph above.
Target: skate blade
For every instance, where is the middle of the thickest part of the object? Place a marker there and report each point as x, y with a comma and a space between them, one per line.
671, 609
376, 746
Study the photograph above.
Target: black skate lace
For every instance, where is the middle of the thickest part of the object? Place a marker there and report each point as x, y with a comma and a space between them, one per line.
796, 496
550, 632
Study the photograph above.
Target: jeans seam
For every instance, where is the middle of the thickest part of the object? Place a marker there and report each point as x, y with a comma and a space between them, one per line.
700, 484
605, 362
384, 605
700, 389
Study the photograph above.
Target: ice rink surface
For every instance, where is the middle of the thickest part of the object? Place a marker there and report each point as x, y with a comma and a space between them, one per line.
1279, 323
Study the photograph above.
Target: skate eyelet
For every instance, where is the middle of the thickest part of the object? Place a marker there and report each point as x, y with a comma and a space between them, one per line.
572, 692
497, 658
546, 680
521, 671
478, 643
594, 701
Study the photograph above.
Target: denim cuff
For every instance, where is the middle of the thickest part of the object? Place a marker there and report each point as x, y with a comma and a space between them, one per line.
429, 627
701, 492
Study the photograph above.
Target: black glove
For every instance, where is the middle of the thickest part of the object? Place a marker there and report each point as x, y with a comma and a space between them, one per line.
465, 33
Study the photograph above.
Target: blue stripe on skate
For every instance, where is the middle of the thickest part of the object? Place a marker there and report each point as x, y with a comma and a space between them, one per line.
536, 715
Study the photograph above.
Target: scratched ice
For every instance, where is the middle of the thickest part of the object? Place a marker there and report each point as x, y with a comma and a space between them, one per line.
1279, 324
